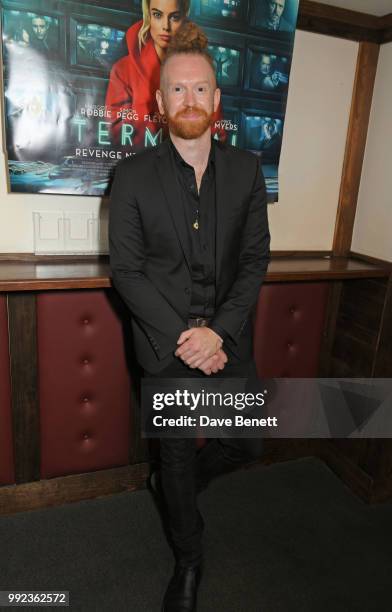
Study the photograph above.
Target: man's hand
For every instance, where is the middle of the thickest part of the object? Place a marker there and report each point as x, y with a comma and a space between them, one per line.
197, 344
215, 363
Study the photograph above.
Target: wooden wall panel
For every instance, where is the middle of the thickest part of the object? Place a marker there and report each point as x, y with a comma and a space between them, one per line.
335, 21
25, 404
355, 146
357, 328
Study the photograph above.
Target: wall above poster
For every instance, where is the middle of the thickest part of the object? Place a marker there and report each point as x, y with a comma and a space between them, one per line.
80, 81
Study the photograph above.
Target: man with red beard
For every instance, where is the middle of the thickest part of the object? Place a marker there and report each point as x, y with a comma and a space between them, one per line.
189, 248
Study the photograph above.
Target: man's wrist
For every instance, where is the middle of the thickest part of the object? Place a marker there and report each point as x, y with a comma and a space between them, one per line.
218, 336
219, 332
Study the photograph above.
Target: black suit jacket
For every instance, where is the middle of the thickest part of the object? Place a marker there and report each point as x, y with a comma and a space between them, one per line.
150, 250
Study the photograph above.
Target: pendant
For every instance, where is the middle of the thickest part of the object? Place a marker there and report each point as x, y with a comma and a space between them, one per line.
196, 225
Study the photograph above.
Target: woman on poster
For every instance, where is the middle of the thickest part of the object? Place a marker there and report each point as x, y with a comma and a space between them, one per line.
134, 79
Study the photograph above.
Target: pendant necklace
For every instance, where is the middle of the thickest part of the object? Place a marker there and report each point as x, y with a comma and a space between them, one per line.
195, 224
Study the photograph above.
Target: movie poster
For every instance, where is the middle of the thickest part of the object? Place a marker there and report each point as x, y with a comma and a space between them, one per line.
80, 79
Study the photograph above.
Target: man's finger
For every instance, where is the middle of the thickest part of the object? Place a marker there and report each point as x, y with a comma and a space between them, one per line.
186, 355
199, 356
199, 362
187, 333
184, 349
193, 356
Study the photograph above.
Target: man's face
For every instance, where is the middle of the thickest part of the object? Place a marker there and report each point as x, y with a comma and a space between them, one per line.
165, 19
188, 96
40, 27
275, 9
270, 129
265, 65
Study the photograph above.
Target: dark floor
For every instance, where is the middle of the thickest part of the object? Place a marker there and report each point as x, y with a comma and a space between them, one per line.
285, 538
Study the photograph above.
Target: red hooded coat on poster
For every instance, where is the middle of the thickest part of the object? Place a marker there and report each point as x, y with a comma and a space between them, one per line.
134, 79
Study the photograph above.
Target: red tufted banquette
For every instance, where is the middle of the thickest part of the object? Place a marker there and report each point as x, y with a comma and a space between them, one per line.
288, 329
84, 388
84, 385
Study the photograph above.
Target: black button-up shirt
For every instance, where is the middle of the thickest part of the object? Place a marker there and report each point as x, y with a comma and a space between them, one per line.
200, 215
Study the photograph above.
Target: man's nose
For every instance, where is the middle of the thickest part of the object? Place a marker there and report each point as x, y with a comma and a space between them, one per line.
189, 99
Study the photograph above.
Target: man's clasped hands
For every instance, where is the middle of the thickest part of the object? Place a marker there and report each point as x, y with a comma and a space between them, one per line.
201, 347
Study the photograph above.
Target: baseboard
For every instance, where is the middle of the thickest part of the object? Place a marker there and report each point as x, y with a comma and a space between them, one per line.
72, 488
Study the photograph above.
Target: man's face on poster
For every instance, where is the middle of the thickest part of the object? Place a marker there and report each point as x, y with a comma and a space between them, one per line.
275, 10
271, 129
40, 27
265, 65
188, 96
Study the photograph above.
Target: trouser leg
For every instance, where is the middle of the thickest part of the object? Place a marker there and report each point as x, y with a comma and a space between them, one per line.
179, 484
179, 487
183, 472
223, 455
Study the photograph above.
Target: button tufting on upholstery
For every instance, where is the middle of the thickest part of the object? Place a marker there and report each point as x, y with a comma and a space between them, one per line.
86, 436
294, 311
88, 326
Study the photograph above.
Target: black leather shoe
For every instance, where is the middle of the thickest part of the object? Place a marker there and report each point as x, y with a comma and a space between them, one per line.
181, 593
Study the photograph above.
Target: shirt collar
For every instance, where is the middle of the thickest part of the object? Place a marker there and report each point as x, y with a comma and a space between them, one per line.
180, 160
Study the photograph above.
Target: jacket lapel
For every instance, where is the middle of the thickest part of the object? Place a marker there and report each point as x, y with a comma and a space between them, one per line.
171, 191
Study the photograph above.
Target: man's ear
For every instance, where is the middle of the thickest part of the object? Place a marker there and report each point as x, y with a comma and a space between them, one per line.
159, 97
217, 97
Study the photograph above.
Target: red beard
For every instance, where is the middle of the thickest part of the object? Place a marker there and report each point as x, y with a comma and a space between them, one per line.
186, 128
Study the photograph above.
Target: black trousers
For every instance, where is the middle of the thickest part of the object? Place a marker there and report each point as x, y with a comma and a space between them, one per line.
185, 471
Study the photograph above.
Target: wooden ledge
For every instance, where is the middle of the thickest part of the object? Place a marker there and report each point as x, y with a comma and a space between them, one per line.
73, 273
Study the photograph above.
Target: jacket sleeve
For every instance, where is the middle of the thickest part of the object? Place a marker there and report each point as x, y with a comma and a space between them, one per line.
147, 305
254, 257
